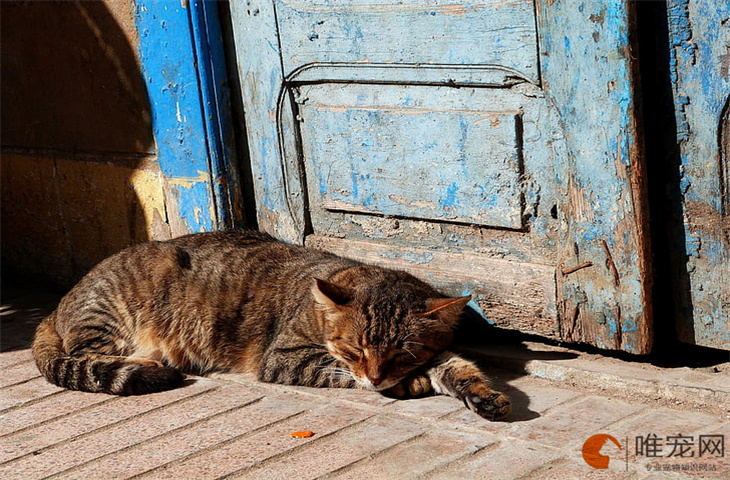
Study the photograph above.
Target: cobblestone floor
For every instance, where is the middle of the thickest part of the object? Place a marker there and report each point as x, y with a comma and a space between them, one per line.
668, 422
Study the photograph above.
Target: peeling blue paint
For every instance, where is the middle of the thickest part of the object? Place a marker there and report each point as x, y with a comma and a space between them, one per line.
381, 152
322, 184
474, 304
693, 245
411, 257
587, 51
267, 147
451, 200
181, 57
354, 178
681, 44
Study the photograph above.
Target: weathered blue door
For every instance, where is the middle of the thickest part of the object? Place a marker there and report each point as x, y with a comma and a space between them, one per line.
700, 70
490, 148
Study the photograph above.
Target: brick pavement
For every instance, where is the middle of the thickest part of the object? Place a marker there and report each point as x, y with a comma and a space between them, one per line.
230, 426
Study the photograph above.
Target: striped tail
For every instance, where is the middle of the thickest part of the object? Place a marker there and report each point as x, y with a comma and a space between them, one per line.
97, 373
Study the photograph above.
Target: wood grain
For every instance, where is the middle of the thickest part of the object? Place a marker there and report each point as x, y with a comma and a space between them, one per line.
507, 294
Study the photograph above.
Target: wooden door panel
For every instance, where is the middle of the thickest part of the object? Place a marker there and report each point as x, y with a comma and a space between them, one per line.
411, 32
372, 149
509, 294
526, 131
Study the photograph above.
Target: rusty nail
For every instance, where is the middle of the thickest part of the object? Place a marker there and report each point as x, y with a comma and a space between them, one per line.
568, 271
610, 264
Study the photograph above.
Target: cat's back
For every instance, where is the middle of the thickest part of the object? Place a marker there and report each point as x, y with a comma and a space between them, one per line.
244, 251
239, 239
223, 253
141, 267
212, 267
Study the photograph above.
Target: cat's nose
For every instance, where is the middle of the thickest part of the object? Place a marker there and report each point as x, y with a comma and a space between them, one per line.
375, 380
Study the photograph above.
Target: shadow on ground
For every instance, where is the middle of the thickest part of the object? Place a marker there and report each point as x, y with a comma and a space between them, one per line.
475, 333
23, 304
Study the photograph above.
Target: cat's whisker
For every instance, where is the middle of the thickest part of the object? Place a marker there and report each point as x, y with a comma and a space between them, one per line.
340, 376
337, 372
408, 351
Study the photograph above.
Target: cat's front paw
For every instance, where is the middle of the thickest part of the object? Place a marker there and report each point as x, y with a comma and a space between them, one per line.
492, 406
411, 387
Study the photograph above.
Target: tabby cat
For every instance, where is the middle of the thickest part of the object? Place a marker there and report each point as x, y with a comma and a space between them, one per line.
245, 302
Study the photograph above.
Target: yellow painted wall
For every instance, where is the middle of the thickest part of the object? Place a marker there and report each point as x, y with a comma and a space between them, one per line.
78, 168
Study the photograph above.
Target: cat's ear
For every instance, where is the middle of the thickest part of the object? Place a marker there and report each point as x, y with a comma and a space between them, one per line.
330, 295
447, 310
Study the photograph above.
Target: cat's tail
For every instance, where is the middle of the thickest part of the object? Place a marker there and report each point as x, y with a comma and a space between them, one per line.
97, 373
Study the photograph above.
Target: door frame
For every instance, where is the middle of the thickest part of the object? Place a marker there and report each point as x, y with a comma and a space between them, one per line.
182, 58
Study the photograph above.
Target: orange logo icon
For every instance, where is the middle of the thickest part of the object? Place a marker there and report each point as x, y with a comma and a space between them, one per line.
592, 450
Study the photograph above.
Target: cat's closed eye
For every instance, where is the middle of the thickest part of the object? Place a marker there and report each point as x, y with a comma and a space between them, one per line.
347, 351
351, 355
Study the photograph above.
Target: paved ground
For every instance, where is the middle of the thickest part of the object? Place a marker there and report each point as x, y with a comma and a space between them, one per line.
669, 422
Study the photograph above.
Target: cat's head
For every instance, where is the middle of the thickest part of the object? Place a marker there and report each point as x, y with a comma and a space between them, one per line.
383, 331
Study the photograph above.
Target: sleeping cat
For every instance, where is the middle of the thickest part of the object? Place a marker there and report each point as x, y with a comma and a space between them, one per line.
245, 302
